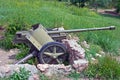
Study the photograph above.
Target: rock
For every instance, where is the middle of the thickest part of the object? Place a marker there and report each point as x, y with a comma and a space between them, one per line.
12, 51
80, 65
54, 69
102, 53
42, 67
34, 77
84, 43
74, 49
76, 54
98, 55
94, 61
7, 70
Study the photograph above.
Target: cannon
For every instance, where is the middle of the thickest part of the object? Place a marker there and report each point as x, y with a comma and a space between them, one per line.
45, 44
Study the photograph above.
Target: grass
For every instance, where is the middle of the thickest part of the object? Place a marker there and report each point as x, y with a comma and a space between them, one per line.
21, 14
74, 75
24, 13
106, 68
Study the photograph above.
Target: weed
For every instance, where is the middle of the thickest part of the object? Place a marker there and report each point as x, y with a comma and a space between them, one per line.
24, 50
16, 25
43, 77
6, 43
74, 75
23, 74
92, 51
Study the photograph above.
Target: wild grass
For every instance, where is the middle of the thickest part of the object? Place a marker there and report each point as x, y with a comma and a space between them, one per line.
55, 14
21, 14
107, 68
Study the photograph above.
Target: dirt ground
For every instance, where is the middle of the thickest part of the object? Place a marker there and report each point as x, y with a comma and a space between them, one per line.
111, 12
8, 57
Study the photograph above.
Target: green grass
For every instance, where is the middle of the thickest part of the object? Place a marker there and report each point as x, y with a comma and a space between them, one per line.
55, 14
107, 68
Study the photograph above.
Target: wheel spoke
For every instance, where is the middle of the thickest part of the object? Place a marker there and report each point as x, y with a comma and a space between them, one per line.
58, 61
44, 60
54, 49
58, 54
49, 60
48, 54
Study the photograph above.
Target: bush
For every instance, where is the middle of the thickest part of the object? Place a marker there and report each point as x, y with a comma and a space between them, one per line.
118, 6
16, 25
6, 43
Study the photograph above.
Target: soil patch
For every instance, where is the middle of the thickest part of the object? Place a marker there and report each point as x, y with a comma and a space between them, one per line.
8, 57
111, 12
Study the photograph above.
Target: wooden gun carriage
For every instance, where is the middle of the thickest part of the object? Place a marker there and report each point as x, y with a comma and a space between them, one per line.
46, 44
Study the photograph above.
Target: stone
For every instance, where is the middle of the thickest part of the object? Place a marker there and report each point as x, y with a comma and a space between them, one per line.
54, 69
76, 54
34, 77
80, 65
7, 70
94, 61
98, 55
74, 49
84, 44
42, 67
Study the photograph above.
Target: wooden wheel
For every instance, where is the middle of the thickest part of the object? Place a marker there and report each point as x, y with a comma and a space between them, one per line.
52, 53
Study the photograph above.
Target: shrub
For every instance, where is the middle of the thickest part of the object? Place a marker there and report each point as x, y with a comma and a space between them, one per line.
6, 43
16, 25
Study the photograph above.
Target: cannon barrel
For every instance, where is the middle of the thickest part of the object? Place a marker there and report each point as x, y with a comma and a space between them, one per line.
81, 30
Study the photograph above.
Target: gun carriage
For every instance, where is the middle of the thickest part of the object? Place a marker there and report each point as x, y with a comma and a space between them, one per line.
46, 44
